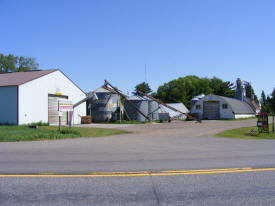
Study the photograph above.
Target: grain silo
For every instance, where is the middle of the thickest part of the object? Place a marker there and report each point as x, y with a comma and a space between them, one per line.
105, 107
141, 103
153, 109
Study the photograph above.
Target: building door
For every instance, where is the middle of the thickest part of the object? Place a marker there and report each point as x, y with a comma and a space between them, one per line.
211, 110
53, 110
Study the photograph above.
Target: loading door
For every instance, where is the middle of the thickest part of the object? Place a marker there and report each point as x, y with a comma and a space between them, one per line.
211, 110
53, 110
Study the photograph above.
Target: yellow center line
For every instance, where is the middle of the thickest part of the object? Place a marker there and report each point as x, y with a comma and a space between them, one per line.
138, 174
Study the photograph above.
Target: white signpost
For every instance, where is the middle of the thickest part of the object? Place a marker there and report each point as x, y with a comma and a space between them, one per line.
64, 105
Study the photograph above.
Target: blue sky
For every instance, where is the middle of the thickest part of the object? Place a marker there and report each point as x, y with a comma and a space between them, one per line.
93, 40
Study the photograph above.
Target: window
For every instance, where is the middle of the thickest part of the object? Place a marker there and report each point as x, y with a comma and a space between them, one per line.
224, 106
198, 106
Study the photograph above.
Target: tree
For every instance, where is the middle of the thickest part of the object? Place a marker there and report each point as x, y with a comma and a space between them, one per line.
222, 88
11, 63
272, 101
248, 90
185, 88
263, 98
143, 87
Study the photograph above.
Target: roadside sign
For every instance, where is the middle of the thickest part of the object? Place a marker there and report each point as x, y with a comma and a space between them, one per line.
262, 123
65, 105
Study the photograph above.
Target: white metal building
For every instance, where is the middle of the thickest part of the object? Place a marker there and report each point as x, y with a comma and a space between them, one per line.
28, 97
173, 114
218, 107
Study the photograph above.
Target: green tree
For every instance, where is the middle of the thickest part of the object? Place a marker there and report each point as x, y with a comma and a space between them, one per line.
248, 90
11, 63
263, 98
272, 101
143, 87
222, 88
183, 89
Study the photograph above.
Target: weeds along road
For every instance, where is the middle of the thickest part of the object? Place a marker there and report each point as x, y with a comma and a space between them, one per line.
156, 147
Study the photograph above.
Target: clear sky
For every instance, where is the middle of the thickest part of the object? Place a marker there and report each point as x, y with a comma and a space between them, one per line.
93, 40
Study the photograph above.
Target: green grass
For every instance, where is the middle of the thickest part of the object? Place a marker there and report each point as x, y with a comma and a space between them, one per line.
243, 133
238, 119
24, 133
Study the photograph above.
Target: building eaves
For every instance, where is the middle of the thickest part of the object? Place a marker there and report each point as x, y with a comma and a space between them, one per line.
19, 78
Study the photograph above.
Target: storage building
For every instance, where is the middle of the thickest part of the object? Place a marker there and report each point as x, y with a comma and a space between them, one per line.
173, 114
32, 96
219, 107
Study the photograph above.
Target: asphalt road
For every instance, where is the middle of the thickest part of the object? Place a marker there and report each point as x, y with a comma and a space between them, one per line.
158, 147
241, 189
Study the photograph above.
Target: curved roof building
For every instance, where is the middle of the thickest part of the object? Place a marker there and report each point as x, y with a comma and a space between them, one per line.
219, 107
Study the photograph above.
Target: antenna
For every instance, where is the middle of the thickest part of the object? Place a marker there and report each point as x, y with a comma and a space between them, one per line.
145, 70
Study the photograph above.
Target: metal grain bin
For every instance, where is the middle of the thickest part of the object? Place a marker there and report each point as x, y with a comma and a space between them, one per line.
153, 109
141, 103
104, 108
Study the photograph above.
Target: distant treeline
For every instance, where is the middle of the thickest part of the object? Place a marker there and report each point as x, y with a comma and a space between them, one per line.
268, 102
185, 88
11, 63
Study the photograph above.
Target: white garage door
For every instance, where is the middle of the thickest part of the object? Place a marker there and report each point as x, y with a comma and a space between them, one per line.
211, 110
53, 110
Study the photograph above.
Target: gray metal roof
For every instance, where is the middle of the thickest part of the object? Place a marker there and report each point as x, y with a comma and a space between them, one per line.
18, 78
138, 98
179, 106
198, 97
237, 106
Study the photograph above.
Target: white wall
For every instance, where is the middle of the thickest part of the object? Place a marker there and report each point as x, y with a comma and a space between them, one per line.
8, 105
240, 116
33, 97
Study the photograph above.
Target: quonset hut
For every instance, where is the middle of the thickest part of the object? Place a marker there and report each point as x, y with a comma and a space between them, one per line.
105, 107
219, 107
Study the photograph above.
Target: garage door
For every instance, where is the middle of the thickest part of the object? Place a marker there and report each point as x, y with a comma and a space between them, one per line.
53, 110
211, 110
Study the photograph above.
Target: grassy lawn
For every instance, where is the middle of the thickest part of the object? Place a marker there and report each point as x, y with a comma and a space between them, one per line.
243, 133
24, 133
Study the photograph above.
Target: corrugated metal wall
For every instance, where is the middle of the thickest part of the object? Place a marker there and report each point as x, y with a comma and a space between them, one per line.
53, 110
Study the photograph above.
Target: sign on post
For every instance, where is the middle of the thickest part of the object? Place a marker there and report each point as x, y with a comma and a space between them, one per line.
262, 123
64, 105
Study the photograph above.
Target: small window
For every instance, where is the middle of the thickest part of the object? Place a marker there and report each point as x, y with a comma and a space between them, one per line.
224, 106
198, 107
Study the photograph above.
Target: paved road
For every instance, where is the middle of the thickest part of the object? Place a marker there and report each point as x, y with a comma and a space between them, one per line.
158, 147
236, 189
176, 146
